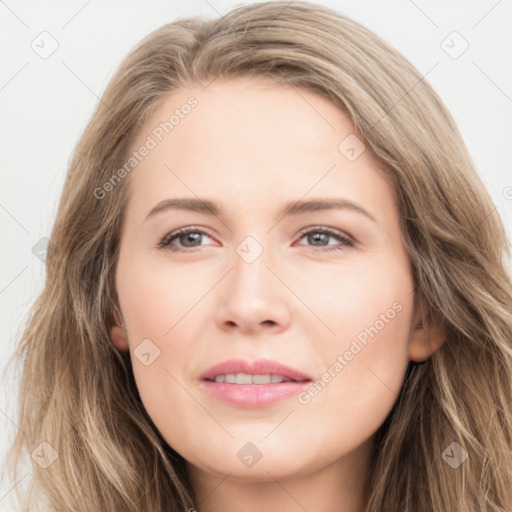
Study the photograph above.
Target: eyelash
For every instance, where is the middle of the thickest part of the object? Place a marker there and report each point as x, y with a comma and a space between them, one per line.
165, 242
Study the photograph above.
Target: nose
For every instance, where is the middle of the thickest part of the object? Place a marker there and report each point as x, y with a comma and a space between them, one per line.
253, 296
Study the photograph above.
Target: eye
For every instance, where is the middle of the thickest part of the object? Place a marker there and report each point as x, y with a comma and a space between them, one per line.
186, 236
318, 236
321, 236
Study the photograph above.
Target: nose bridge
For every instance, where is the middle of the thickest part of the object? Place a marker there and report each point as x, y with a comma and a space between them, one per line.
252, 295
250, 272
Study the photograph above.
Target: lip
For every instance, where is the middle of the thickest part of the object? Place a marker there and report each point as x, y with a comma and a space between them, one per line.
253, 395
258, 367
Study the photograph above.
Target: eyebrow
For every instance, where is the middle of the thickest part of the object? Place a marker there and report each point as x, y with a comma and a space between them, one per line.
210, 207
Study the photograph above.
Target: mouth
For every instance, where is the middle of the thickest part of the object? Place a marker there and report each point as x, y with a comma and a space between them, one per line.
253, 385
245, 379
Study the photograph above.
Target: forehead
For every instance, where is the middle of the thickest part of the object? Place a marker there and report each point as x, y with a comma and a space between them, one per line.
252, 140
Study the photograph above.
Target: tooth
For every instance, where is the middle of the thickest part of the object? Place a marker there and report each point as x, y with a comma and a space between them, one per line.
243, 378
261, 379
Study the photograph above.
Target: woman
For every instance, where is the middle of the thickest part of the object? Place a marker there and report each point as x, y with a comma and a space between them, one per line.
258, 369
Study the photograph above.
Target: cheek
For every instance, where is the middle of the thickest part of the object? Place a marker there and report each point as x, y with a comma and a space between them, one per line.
153, 298
366, 316
155, 304
362, 365
349, 299
160, 307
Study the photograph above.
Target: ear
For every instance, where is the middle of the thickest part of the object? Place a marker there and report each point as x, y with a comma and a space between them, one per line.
426, 337
118, 333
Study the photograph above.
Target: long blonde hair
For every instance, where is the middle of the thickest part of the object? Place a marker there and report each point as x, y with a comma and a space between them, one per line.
77, 391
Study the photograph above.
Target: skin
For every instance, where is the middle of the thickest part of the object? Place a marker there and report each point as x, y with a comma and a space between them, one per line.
253, 146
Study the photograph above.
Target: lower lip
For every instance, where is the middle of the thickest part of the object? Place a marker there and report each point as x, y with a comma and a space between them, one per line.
253, 395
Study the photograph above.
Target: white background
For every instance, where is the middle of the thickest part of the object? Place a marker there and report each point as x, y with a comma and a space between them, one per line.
45, 104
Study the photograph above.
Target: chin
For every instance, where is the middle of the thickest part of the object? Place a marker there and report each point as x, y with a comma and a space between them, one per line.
246, 461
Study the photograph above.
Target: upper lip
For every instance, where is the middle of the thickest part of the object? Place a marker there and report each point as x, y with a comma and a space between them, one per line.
259, 367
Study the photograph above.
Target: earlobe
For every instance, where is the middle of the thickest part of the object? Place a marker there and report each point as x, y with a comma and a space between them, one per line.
118, 334
425, 340
119, 338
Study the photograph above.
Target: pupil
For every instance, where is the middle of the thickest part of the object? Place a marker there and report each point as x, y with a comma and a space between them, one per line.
318, 237
191, 237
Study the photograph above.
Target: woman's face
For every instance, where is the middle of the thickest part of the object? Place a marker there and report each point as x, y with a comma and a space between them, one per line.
269, 275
